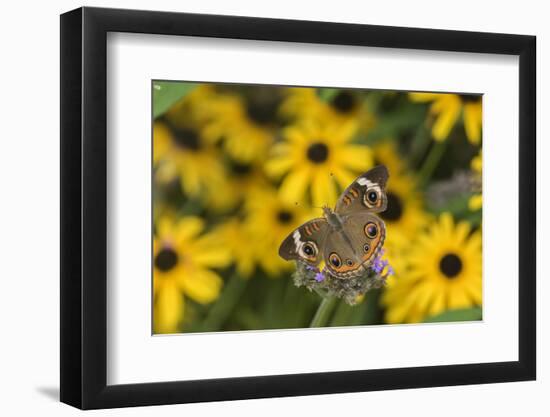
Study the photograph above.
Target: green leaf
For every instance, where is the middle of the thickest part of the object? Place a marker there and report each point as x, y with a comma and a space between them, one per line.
467, 314
459, 208
327, 94
166, 93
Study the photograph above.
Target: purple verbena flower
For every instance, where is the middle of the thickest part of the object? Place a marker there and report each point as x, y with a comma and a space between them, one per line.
379, 264
319, 276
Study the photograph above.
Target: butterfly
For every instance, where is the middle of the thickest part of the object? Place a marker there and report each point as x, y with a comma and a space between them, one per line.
349, 238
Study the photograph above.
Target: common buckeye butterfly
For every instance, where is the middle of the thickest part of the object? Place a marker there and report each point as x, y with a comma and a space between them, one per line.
349, 238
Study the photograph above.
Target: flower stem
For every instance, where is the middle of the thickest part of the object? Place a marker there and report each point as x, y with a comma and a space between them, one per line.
323, 312
223, 307
432, 160
420, 144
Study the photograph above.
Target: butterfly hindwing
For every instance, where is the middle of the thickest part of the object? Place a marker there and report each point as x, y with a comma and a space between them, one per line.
367, 192
349, 252
306, 242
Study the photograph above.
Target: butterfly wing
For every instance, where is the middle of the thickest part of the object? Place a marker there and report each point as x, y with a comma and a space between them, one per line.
367, 192
306, 242
349, 252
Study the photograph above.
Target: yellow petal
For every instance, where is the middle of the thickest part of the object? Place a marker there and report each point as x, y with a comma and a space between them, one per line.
476, 163
168, 308
458, 299
461, 232
438, 303
161, 140
190, 182
423, 97
475, 202
201, 285
474, 289
323, 191
294, 185
446, 119
295, 136
344, 132
187, 228
356, 157
446, 224
472, 122
343, 177
245, 267
212, 256
165, 227
277, 167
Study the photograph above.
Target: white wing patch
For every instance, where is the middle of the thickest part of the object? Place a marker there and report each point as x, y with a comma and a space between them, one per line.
296, 236
364, 181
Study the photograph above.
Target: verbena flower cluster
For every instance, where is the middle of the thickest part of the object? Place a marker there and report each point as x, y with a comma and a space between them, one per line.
349, 289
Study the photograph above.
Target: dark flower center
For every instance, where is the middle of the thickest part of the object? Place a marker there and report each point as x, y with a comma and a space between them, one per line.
166, 259
239, 169
284, 216
187, 138
394, 211
470, 98
317, 152
344, 101
450, 265
263, 106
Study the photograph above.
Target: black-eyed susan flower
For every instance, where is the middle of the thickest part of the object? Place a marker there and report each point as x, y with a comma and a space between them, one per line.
443, 273
311, 155
447, 110
405, 214
245, 124
236, 235
183, 153
241, 180
269, 219
340, 106
476, 201
183, 258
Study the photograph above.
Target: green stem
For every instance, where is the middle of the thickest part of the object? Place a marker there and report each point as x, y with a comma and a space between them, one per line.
431, 162
323, 312
226, 303
420, 144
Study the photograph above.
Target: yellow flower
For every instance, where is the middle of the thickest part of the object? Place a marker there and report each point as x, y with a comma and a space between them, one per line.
447, 109
405, 214
242, 179
182, 262
269, 220
182, 152
385, 152
245, 124
476, 201
443, 273
236, 236
343, 106
311, 155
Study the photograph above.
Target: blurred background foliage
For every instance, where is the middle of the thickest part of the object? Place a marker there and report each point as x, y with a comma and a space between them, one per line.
238, 167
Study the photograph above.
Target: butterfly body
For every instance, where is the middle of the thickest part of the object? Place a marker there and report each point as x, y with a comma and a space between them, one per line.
349, 237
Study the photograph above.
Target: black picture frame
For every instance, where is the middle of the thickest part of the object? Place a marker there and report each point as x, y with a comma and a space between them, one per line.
84, 207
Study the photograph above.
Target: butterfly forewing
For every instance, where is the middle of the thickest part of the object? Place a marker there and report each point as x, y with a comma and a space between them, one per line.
367, 192
306, 242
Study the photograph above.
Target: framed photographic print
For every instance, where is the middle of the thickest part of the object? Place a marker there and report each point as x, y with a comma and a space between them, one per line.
257, 208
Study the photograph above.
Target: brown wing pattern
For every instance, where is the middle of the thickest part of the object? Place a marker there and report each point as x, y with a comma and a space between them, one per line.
306, 242
367, 192
347, 254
